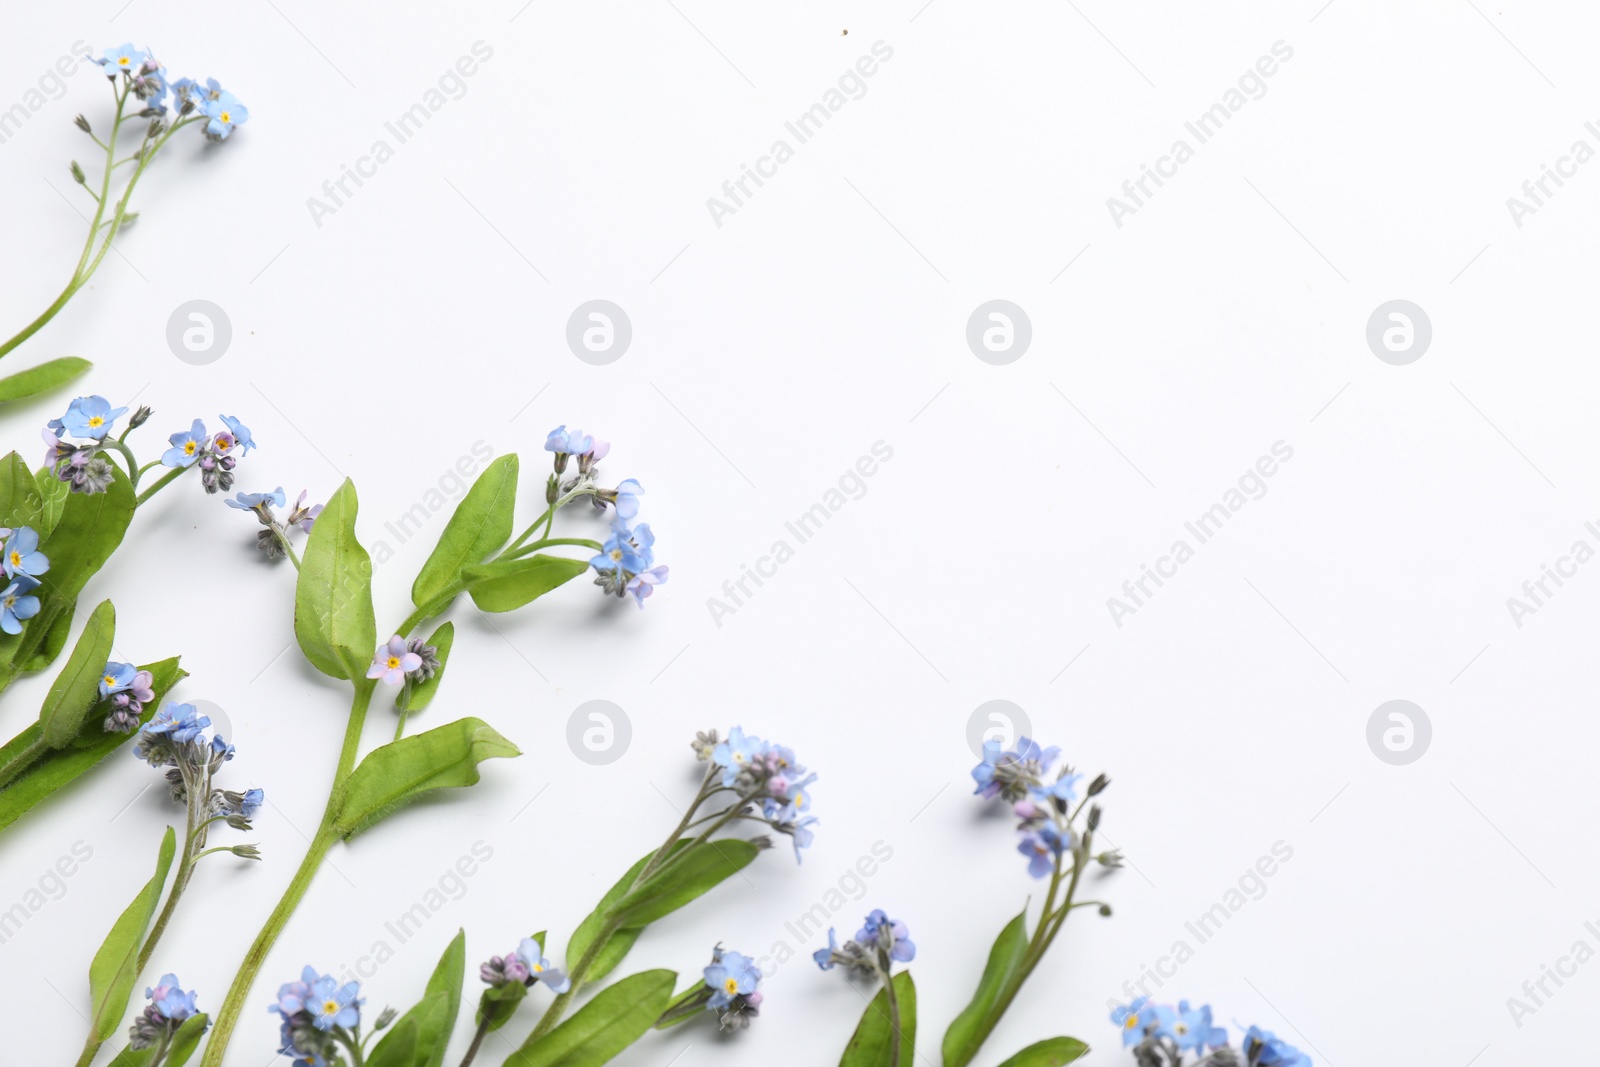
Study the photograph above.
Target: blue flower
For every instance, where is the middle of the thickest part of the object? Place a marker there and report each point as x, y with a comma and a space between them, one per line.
737, 753
169, 998
16, 605
880, 928
123, 59
225, 113
643, 584
730, 975
1064, 789
1263, 1048
252, 501
531, 954
561, 441
1133, 1019
241, 436
626, 550
331, 1004
798, 829
1193, 1028
295, 997
626, 498
181, 723
251, 803
824, 956
1043, 847
90, 416
23, 555
997, 763
220, 749
117, 678
186, 446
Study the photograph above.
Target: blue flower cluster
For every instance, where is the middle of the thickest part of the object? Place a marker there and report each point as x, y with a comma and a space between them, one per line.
1161, 1036
213, 453
80, 464
733, 980
878, 945
274, 538
525, 964
23, 564
766, 773
626, 563
174, 738
128, 690
1043, 804
147, 79
169, 1006
318, 1016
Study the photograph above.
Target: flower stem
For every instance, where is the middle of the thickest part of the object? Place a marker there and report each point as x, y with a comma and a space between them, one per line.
326, 835
477, 1043
159, 484
894, 1013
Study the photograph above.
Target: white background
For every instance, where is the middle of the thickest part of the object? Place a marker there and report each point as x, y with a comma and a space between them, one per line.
769, 353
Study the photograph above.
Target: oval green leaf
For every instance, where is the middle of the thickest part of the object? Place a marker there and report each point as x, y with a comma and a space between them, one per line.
52, 374
53, 493
77, 688
506, 585
481, 524
333, 618
402, 770
967, 1033
1051, 1052
20, 498
872, 1045
116, 965
618, 1016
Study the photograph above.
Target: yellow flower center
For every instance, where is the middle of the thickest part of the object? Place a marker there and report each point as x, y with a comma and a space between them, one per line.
394, 661
538, 968
226, 116
122, 61
1182, 1028
109, 680
330, 1007
16, 558
616, 554
1131, 1023
731, 985
189, 447
95, 422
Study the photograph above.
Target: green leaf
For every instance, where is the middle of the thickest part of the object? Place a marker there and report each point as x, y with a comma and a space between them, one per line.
499, 1003
402, 1046
55, 639
333, 595
446, 981
872, 1044
402, 770
54, 770
416, 697
116, 965
618, 1016
626, 910
691, 873
90, 529
185, 1041
53, 493
508, 584
1051, 1052
20, 498
52, 374
972, 1026
481, 524
77, 688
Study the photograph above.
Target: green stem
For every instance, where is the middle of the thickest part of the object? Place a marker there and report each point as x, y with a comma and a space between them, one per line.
160, 483
326, 835
477, 1042
134, 470
894, 1010
546, 542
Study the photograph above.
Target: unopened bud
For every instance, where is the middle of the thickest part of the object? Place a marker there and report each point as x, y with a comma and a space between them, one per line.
1112, 859
385, 1018
246, 852
142, 413
1105, 909
1094, 816
82, 124
761, 841
552, 489
77, 173
238, 822
1099, 784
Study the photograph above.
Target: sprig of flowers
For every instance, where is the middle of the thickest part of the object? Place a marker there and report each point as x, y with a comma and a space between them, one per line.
79, 449
169, 1008
1163, 1036
730, 989
142, 91
321, 1020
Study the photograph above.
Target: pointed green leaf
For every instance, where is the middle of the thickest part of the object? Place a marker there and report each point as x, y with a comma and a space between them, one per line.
418, 696
480, 525
20, 498
52, 374
53, 770
402, 1045
872, 1045
402, 770
972, 1026
446, 981
116, 965
55, 639
77, 688
1051, 1052
419, 1037
508, 584
618, 1016
333, 595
